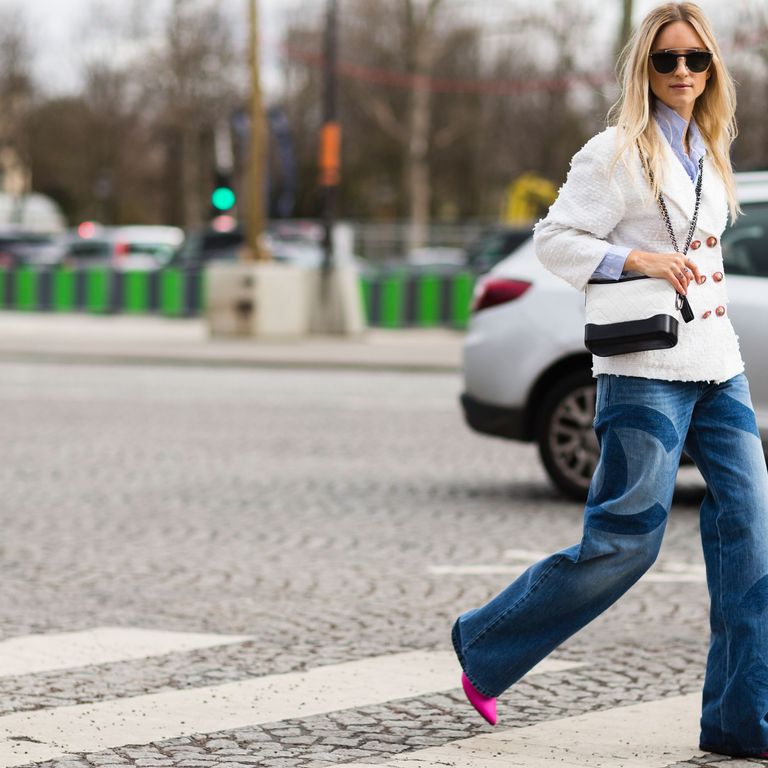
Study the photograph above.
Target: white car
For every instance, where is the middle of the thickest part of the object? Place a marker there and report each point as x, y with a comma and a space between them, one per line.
528, 376
127, 248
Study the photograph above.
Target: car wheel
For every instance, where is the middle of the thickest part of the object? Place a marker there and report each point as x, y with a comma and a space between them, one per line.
565, 434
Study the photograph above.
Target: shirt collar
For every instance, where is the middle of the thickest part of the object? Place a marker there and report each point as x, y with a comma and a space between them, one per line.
673, 126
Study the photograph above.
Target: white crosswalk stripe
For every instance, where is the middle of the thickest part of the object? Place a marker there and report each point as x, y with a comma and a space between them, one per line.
52, 733
652, 735
662, 572
45, 653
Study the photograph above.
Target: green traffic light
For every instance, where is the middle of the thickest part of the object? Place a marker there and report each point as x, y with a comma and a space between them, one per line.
223, 198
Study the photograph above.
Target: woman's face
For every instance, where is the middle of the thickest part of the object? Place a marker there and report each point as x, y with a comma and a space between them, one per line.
681, 87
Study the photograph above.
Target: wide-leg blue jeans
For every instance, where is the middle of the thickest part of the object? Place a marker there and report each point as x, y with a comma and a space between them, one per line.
642, 425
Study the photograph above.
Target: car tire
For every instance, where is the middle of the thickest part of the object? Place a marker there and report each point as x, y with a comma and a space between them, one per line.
565, 433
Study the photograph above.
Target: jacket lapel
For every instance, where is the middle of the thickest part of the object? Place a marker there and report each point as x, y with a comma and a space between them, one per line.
713, 210
679, 190
676, 185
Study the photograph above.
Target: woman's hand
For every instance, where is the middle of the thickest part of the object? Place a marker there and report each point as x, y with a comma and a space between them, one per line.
677, 269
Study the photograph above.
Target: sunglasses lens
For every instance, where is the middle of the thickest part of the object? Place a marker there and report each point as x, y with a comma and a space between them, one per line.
664, 63
698, 62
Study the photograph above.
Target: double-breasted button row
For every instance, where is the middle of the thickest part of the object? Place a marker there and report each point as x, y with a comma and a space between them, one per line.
720, 311
711, 242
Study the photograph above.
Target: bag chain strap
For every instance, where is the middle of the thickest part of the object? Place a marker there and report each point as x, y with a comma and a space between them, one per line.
681, 302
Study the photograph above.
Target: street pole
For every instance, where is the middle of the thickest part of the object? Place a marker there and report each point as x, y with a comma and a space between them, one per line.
330, 139
255, 221
625, 30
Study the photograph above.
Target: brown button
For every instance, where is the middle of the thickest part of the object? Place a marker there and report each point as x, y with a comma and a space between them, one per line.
706, 314
720, 311
703, 278
711, 242
717, 277
695, 245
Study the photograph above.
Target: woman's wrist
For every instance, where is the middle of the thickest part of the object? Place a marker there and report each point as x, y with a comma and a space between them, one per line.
633, 261
636, 261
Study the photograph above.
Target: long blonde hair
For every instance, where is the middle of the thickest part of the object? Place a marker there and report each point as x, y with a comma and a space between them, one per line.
714, 110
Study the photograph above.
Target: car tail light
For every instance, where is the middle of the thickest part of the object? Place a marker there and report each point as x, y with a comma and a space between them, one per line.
121, 251
497, 290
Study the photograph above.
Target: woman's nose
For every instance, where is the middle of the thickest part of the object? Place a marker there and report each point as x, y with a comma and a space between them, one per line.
682, 67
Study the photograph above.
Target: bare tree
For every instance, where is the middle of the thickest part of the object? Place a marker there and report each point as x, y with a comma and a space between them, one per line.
194, 80
421, 46
16, 96
746, 47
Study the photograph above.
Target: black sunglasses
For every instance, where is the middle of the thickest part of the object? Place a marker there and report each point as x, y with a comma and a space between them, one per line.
665, 62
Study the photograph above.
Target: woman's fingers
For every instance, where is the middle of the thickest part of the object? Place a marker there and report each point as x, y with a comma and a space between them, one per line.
678, 281
679, 273
676, 268
691, 264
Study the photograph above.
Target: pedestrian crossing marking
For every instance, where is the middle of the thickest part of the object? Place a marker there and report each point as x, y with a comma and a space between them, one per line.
31, 654
657, 734
156, 717
662, 572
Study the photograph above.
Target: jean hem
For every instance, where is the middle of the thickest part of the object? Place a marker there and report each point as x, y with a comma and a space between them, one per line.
462, 660
733, 752
557, 559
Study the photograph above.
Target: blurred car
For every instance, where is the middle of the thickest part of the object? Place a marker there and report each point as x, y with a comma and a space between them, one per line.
528, 376
493, 245
435, 259
289, 242
201, 246
129, 248
19, 248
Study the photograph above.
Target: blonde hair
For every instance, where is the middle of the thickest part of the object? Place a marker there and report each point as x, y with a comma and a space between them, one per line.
714, 110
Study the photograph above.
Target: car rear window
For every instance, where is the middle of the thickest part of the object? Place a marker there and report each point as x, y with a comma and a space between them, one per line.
90, 249
745, 243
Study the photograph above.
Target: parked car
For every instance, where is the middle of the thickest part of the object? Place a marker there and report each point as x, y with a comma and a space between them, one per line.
31, 212
134, 248
527, 375
290, 242
19, 248
493, 245
435, 259
201, 246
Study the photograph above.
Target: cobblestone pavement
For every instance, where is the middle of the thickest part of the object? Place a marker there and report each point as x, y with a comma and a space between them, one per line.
303, 509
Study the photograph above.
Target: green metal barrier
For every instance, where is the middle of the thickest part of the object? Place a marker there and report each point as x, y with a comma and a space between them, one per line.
63, 291
392, 300
461, 298
171, 292
26, 289
428, 302
136, 293
97, 282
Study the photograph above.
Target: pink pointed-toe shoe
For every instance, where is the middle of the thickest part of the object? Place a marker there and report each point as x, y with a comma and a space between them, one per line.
485, 705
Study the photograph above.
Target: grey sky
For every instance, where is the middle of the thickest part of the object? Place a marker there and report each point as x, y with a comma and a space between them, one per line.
59, 26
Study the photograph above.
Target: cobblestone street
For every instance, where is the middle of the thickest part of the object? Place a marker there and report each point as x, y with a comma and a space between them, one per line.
327, 518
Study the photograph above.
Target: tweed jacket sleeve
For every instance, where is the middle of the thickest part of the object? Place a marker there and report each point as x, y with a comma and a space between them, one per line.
570, 241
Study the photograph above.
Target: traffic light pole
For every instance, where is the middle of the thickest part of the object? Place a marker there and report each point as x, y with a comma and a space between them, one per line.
337, 303
255, 220
330, 138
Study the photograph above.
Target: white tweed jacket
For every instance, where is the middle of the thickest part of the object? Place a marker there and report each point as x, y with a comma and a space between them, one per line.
594, 209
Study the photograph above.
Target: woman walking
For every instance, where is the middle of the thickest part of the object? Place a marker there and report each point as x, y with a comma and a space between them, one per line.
668, 149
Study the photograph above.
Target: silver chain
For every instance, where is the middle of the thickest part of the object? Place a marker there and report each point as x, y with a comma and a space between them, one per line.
665, 212
681, 301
